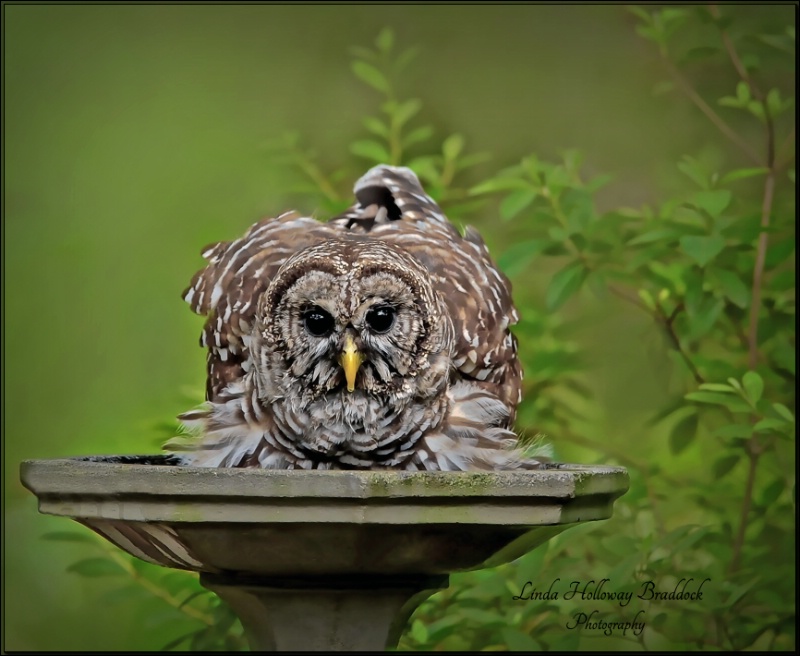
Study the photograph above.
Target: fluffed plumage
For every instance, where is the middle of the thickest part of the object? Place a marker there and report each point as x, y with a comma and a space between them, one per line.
387, 300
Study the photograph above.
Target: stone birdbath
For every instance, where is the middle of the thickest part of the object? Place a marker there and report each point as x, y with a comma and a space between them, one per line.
321, 560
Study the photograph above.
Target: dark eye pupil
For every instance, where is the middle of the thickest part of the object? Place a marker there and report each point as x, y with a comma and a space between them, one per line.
318, 322
380, 319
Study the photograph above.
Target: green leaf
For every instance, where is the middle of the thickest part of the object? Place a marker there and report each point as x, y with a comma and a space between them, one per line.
452, 146
772, 492
647, 298
683, 434
69, 536
730, 101
783, 411
564, 284
515, 202
419, 632
734, 404
717, 387
130, 592
741, 174
363, 53
743, 92
735, 430
499, 184
702, 249
751, 61
713, 202
370, 75
94, 567
599, 182
175, 582
578, 207
775, 104
417, 135
174, 643
406, 58
370, 149
385, 40
732, 287
674, 406
777, 41
515, 258
723, 466
660, 234
644, 15
753, 386
192, 596
660, 88
674, 15
472, 159
376, 126
406, 111
426, 168
756, 108
769, 424
736, 384
694, 170
516, 640
779, 251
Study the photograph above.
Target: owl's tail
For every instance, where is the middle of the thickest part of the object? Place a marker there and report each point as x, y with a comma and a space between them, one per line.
389, 193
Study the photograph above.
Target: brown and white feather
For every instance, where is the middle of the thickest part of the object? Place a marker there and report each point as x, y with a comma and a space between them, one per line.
438, 392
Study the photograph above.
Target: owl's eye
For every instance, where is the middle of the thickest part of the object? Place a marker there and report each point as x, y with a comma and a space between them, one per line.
380, 319
318, 322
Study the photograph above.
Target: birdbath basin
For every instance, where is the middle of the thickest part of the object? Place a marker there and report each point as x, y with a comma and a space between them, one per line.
321, 560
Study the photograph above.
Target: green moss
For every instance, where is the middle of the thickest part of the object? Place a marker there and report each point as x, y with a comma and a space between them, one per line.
455, 483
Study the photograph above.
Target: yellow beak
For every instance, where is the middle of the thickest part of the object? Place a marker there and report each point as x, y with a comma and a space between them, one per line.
351, 360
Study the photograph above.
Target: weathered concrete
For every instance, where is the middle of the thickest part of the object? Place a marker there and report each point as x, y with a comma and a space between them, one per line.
310, 559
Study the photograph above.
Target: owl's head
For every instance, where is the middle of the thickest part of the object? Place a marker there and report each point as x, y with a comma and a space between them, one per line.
354, 317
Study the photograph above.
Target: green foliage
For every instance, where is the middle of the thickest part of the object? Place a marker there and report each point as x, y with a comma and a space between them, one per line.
198, 619
712, 266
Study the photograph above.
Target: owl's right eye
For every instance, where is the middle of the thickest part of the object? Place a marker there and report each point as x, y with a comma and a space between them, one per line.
318, 322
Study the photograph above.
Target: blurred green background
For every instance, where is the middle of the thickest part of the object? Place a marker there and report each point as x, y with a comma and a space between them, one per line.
134, 135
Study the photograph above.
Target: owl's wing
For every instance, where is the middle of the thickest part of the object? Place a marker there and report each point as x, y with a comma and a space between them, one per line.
227, 289
393, 206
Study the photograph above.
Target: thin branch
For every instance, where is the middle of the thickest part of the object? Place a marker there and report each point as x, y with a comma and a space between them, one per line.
758, 272
736, 326
744, 517
754, 449
712, 116
783, 156
667, 322
662, 318
734, 56
625, 296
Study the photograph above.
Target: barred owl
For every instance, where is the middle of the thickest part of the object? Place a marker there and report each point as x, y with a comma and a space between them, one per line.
379, 339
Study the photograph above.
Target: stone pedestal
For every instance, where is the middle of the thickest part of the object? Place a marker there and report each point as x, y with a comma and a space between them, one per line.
347, 614
321, 560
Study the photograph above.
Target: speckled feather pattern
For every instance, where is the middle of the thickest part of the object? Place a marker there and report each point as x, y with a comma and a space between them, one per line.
438, 391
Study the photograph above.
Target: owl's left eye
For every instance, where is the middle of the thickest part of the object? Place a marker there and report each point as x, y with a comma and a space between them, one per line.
318, 322
380, 319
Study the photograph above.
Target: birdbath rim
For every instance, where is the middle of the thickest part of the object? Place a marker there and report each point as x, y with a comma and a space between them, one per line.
155, 478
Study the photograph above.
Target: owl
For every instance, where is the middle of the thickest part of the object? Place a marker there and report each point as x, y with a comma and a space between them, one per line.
378, 340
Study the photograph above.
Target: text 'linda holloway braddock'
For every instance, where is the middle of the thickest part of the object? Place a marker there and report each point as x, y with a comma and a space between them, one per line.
596, 591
